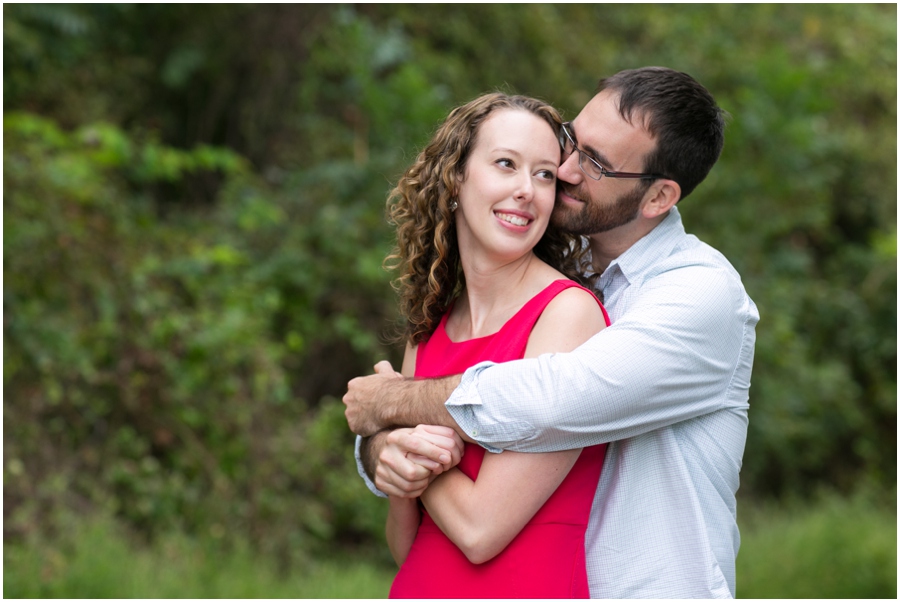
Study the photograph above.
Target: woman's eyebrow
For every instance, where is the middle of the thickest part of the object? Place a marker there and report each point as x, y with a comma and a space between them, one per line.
503, 149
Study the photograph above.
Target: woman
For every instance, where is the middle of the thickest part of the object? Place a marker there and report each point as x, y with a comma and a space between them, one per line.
483, 278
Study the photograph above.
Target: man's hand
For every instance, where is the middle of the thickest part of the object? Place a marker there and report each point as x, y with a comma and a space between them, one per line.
411, 458
363, 399
387, 399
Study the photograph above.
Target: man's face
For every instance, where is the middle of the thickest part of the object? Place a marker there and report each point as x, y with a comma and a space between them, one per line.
587, 206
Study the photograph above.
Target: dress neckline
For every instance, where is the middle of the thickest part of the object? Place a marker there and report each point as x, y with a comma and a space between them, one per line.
442, 327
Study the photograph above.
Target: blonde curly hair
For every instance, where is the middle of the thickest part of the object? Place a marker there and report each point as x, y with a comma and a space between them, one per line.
426, 253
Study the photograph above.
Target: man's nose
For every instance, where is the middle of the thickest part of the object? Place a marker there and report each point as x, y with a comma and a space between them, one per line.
569, 172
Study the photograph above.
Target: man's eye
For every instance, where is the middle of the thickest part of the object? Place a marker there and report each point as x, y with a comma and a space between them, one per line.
596, 165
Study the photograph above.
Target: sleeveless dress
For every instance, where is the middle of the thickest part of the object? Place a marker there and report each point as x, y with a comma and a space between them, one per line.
546, 559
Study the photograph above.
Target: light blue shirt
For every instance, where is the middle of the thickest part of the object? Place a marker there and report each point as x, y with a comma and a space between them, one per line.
667, 386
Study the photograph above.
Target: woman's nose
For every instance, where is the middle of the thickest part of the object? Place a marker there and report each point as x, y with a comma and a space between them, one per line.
525, 188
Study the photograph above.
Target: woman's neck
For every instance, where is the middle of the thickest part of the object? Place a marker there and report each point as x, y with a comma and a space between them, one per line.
494, 293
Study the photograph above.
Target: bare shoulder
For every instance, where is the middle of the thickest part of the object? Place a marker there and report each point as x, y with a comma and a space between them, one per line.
575, 299
570, 319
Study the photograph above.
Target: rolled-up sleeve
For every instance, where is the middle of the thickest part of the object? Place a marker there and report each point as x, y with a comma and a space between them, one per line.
671, 357
362, 471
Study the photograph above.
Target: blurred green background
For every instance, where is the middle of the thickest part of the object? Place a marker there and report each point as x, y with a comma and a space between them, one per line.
193, 236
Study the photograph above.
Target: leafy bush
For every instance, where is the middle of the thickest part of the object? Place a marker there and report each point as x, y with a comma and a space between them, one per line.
148, 359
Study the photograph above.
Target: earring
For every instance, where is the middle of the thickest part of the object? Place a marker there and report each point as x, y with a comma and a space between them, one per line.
453, 206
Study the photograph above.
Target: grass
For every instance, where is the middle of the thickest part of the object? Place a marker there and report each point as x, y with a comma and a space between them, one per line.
101, 563
832, 548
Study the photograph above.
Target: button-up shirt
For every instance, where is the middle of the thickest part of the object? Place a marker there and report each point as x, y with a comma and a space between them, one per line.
667, 386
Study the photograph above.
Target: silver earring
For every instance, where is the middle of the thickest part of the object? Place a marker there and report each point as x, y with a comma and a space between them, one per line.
453, 206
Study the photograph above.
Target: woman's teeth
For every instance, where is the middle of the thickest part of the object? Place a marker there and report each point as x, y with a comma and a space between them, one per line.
515, 220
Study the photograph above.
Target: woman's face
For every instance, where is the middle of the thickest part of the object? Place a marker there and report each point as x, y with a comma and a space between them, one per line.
509, 188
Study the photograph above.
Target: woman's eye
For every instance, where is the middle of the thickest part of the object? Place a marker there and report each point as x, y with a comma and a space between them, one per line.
546, 174
505, 163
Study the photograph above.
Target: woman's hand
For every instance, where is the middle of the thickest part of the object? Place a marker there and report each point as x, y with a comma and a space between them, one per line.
405, 466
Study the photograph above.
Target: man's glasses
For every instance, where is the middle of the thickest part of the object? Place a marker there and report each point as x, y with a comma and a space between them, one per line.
588, 164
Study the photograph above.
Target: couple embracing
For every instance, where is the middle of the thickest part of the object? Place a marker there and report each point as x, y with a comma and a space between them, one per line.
624, 422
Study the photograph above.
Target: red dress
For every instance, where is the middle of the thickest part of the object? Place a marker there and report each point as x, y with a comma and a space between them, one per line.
546, 559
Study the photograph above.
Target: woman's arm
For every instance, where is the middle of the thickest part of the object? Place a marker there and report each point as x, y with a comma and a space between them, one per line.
402, 525
404, 515
481, 517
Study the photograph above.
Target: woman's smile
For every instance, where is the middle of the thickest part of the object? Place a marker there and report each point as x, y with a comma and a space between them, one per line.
518, 219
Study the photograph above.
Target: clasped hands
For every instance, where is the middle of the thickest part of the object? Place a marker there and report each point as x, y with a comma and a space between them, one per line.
408, 459
405, 465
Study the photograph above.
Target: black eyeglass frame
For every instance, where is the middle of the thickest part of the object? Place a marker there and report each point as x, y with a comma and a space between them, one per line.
568, 137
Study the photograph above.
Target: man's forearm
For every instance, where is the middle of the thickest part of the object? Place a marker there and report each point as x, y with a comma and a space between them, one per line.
417, 402
377, 402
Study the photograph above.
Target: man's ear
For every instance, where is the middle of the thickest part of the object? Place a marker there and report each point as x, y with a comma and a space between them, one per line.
660, 197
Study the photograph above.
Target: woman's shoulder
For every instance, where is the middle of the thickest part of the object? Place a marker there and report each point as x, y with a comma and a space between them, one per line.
567, 295
571, 317
573, 299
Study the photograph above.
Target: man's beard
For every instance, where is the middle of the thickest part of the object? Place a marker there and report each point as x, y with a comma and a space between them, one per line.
594, 218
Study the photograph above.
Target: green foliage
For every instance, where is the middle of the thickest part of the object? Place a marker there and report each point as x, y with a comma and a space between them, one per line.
801, 153
194, 230
146, 360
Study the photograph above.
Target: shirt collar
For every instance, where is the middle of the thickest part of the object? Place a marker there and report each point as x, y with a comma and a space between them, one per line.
655, 245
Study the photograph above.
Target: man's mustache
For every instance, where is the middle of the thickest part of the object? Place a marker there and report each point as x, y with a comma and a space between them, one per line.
570, 190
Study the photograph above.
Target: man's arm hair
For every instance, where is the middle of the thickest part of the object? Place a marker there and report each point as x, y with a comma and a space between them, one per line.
368, 452
377, 402
409, 415
420, 401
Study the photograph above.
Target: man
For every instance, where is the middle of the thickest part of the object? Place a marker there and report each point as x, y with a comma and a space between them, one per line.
667, 384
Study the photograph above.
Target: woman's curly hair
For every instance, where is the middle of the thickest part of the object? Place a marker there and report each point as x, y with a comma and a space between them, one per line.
426, 253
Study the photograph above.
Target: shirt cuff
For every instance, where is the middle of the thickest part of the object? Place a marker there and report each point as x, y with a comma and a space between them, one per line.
464, 400
362, 471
